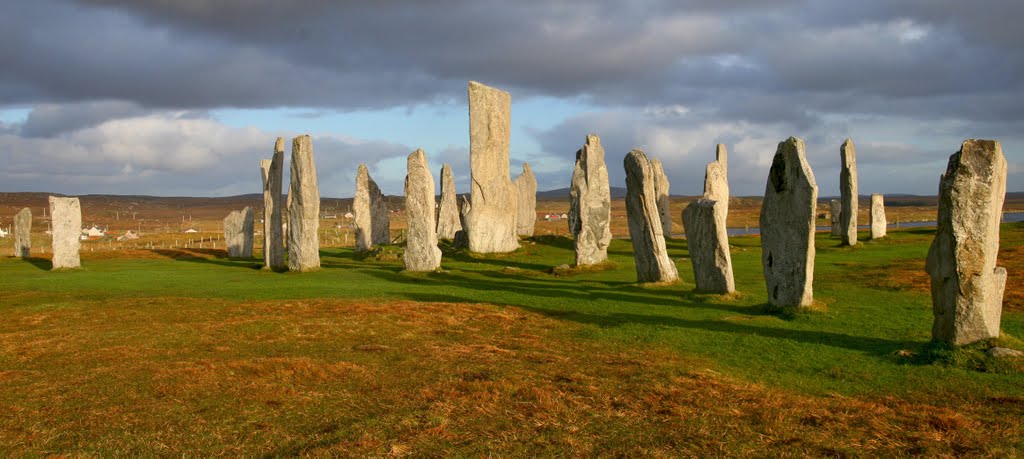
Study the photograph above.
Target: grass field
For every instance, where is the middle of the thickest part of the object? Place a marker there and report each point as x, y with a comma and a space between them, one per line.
187, 352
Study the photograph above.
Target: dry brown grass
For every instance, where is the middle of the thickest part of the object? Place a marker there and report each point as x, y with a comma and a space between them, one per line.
168, 376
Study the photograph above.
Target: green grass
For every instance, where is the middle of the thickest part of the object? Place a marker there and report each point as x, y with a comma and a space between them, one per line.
868, 340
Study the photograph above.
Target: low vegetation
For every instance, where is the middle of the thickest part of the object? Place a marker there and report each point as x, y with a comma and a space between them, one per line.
182, 351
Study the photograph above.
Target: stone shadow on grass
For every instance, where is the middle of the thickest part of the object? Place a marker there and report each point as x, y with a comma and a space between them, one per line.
44, 264
546, 289
209, 257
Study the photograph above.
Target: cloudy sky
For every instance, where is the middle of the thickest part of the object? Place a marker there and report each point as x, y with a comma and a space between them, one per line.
183, 97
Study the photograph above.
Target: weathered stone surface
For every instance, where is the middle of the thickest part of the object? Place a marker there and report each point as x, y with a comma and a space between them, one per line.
590, 203
787, 227
967, 286
708, 242
848, 192
461, 240
23, 233
238, 233
707, 237
421, 251
716, 179
272, 171
448, 220
526, 190
1003, 352
877, 216
645, 224
491, 222
835, 208
304, 209
370, 212
66, 225
661, 187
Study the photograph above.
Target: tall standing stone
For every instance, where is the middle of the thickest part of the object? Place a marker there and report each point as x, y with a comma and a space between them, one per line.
526, 189
787, 227
716, 178
66, 226
661, 187
590, 204
848, 192
708, 242
878, 222
304, 209
707, 236
835, 209
967, 286
645, 229
491, 222
461, 240
23, 233
272, 171
370, 209
421, 251
448, 222
238, 233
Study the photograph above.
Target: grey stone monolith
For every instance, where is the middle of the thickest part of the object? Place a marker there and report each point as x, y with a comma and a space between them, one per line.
304, 209
421, 251
370, 212
448, 222
526, 190
645, 224
716, 179
238, 233
590, 204
272, 172
708, 243
967, 286
835, 209
23, 233
461, 240
661, 187
66, 226
787, 227
707, 236
491, 221
848, 192
877, 216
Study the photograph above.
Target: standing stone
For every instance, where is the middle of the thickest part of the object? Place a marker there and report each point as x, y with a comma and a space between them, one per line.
66, 225
421, 251
835, 208
461, 240
238, 233
526, 189
645, 225
716, 178
848, 191
707, 236
370, 212
787, 227
492, 218
877, 216
23, 233
448, 211
304, 209
590, 204
661, 186
967, 286
272, 171
708, 242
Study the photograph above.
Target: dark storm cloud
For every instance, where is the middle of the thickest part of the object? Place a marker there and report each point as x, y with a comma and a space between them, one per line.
116, 80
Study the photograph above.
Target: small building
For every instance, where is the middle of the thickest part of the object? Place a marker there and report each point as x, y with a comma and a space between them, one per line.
190, 231
128, 236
